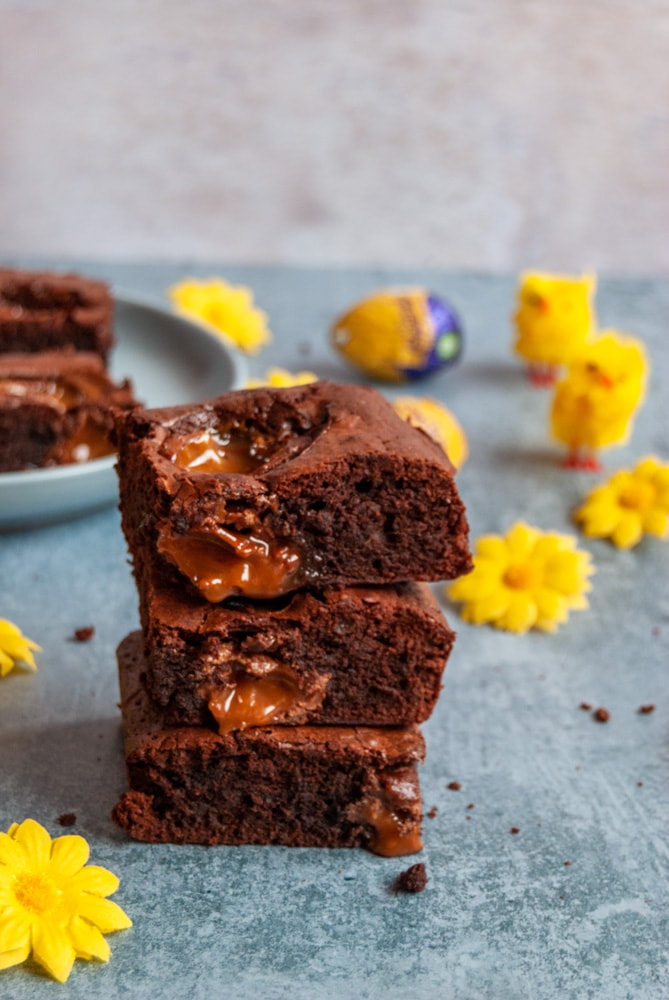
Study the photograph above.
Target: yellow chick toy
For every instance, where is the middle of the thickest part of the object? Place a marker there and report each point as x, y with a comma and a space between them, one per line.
553, 319
595, 402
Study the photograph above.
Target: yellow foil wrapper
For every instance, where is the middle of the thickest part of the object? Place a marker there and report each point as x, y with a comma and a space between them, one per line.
437, 421
399, 335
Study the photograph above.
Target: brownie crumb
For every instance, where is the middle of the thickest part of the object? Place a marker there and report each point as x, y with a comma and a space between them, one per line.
454, 786
639, 784
601, 715
432, 813
646, 709
67, 819
470, 806
83, 634
467, 817
585, 706
414, 879
567, 864
515, 829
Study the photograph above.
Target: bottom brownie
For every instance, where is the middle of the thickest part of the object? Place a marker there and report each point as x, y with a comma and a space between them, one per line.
301, 786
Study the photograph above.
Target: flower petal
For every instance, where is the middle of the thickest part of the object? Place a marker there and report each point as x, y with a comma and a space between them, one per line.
628, 531
487, 609
68, 855
36, 841
656, 522
520, 540
14, 930
87, 940
53, 950
521, 613
104, 913
492, 547
14, 956
95, 880
12, 853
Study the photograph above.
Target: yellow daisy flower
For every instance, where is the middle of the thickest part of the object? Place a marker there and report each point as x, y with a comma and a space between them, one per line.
527, 579
438, 422
50, 903
280, 378
228, 308
15, 648
633, 502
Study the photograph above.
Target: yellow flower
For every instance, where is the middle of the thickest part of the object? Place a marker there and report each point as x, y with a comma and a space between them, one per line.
50, 903
279, 378
438, 422
630, 504
527, 579
228, 308
15, 648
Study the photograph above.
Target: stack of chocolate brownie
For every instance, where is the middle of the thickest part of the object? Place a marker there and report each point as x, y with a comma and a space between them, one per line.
56, 394
287, 654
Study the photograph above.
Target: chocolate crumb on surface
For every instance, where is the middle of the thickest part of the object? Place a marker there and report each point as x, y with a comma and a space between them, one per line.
585, 706
83, 634
567, 864
454, 786
639, 784
515, 829
601, 715
646, 709
470, 806
414, 879
432, 812
67, 819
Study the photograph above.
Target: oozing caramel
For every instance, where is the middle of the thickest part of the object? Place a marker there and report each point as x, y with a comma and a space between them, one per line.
222, 563
254, 701
388, 838
217, 451
89, 442
53, 391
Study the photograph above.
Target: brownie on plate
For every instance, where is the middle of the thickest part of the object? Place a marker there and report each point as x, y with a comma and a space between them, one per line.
55, 409
43, 311
263, 491
349, 656
302, 786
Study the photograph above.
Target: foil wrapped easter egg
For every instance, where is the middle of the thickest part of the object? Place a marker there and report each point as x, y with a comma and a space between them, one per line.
399, 335
438, 422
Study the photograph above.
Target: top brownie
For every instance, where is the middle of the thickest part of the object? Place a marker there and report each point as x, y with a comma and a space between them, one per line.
43, 311
263, 491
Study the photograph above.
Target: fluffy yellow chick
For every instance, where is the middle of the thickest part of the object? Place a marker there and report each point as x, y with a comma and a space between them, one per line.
553, 319
595, 402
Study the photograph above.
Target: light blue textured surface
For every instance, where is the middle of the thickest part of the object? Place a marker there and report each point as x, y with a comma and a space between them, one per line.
502, 916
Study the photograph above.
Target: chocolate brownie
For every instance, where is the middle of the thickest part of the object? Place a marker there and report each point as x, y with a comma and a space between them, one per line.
55, 409
264, 491
302, 786
354, 656
43, 311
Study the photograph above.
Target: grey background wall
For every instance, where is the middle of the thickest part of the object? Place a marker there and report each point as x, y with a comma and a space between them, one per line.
487, 135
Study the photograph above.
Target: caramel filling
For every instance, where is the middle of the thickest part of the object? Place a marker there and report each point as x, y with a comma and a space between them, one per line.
217, 451
89, 442
50, 390
388, 839
221, 563
255, 701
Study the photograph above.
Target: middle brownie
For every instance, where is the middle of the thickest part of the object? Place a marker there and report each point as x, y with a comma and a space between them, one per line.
355, 656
